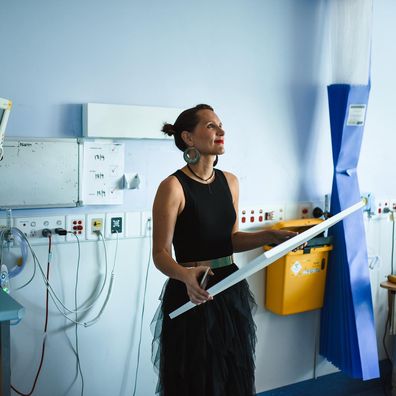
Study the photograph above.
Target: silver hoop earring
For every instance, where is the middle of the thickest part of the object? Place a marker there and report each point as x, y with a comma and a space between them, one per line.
191, 159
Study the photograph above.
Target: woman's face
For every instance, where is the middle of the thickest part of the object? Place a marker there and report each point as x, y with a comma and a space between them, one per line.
208, 135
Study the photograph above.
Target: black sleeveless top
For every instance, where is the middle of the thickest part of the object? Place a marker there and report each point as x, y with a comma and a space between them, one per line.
203, 229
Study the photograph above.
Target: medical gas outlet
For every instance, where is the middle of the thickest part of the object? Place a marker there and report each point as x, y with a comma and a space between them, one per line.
95, 226
256, 216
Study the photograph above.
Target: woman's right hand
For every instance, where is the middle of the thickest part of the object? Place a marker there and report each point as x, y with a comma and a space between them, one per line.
195, 292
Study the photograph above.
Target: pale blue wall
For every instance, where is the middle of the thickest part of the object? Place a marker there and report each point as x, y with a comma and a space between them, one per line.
263, 65
257, 63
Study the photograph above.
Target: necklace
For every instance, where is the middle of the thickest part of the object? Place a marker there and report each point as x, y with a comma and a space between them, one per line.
199, 177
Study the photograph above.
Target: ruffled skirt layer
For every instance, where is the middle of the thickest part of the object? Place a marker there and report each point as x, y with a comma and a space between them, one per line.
209, 350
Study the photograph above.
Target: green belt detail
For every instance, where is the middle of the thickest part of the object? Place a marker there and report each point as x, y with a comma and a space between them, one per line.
221, 262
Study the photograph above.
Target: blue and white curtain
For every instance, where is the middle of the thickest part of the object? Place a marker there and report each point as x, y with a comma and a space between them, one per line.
348, 338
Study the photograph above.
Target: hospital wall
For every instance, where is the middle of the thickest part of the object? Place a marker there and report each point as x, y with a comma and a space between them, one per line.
264, 67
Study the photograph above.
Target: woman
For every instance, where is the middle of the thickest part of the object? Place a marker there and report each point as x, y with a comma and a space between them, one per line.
209, 350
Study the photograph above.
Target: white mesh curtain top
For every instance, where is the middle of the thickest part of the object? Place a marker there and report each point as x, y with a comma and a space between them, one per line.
350, 35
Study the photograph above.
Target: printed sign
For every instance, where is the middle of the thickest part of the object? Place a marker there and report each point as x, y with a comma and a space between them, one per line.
356, 115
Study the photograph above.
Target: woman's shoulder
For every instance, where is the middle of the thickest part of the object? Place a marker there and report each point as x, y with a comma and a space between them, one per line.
171, 185
171, 182
231, 178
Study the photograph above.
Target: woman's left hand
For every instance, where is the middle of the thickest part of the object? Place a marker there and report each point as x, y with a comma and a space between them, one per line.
279, 236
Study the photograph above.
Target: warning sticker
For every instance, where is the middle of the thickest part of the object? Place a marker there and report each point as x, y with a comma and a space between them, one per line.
296, 267
356, 115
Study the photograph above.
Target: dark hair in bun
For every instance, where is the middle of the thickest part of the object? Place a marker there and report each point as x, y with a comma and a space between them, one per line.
168, 129
187, 121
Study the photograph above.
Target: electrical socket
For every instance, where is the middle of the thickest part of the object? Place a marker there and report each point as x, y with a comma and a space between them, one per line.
95, 222
114, 225
32, 227
133, 225
380, 205
305, 210
77, 225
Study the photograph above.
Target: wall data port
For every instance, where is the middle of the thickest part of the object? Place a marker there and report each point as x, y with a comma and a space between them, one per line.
114, 225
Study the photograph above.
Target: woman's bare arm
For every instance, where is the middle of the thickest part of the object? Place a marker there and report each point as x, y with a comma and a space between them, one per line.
168, 203
242, 241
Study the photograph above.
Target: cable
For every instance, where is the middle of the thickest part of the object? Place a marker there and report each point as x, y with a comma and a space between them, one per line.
95, 299
79, 369
393, 240
388, 376
56, 300
98, 316
93, 321
142, 315
392, 212
6, 236
45, 326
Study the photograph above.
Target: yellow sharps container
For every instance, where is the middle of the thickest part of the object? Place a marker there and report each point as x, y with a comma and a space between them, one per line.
296, 282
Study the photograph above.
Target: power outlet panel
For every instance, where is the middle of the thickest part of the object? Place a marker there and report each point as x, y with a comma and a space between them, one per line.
381, 208
305, 210
32, 227
114, 225
77, 225
255, 216
95, 223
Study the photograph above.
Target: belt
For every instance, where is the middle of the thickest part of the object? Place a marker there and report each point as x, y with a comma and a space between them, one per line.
214, 263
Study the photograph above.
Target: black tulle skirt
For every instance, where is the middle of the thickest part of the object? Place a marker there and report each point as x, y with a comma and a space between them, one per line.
209, 350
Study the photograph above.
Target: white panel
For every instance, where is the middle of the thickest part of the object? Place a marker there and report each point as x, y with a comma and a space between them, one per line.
103, 167
125, 121
132, 224
39, 173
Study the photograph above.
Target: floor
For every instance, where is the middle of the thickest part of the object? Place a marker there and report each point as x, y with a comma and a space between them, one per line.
338, 384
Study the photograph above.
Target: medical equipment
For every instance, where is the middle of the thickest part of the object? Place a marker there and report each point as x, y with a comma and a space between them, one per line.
5, 108
296, 282
4, 278
12, 263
